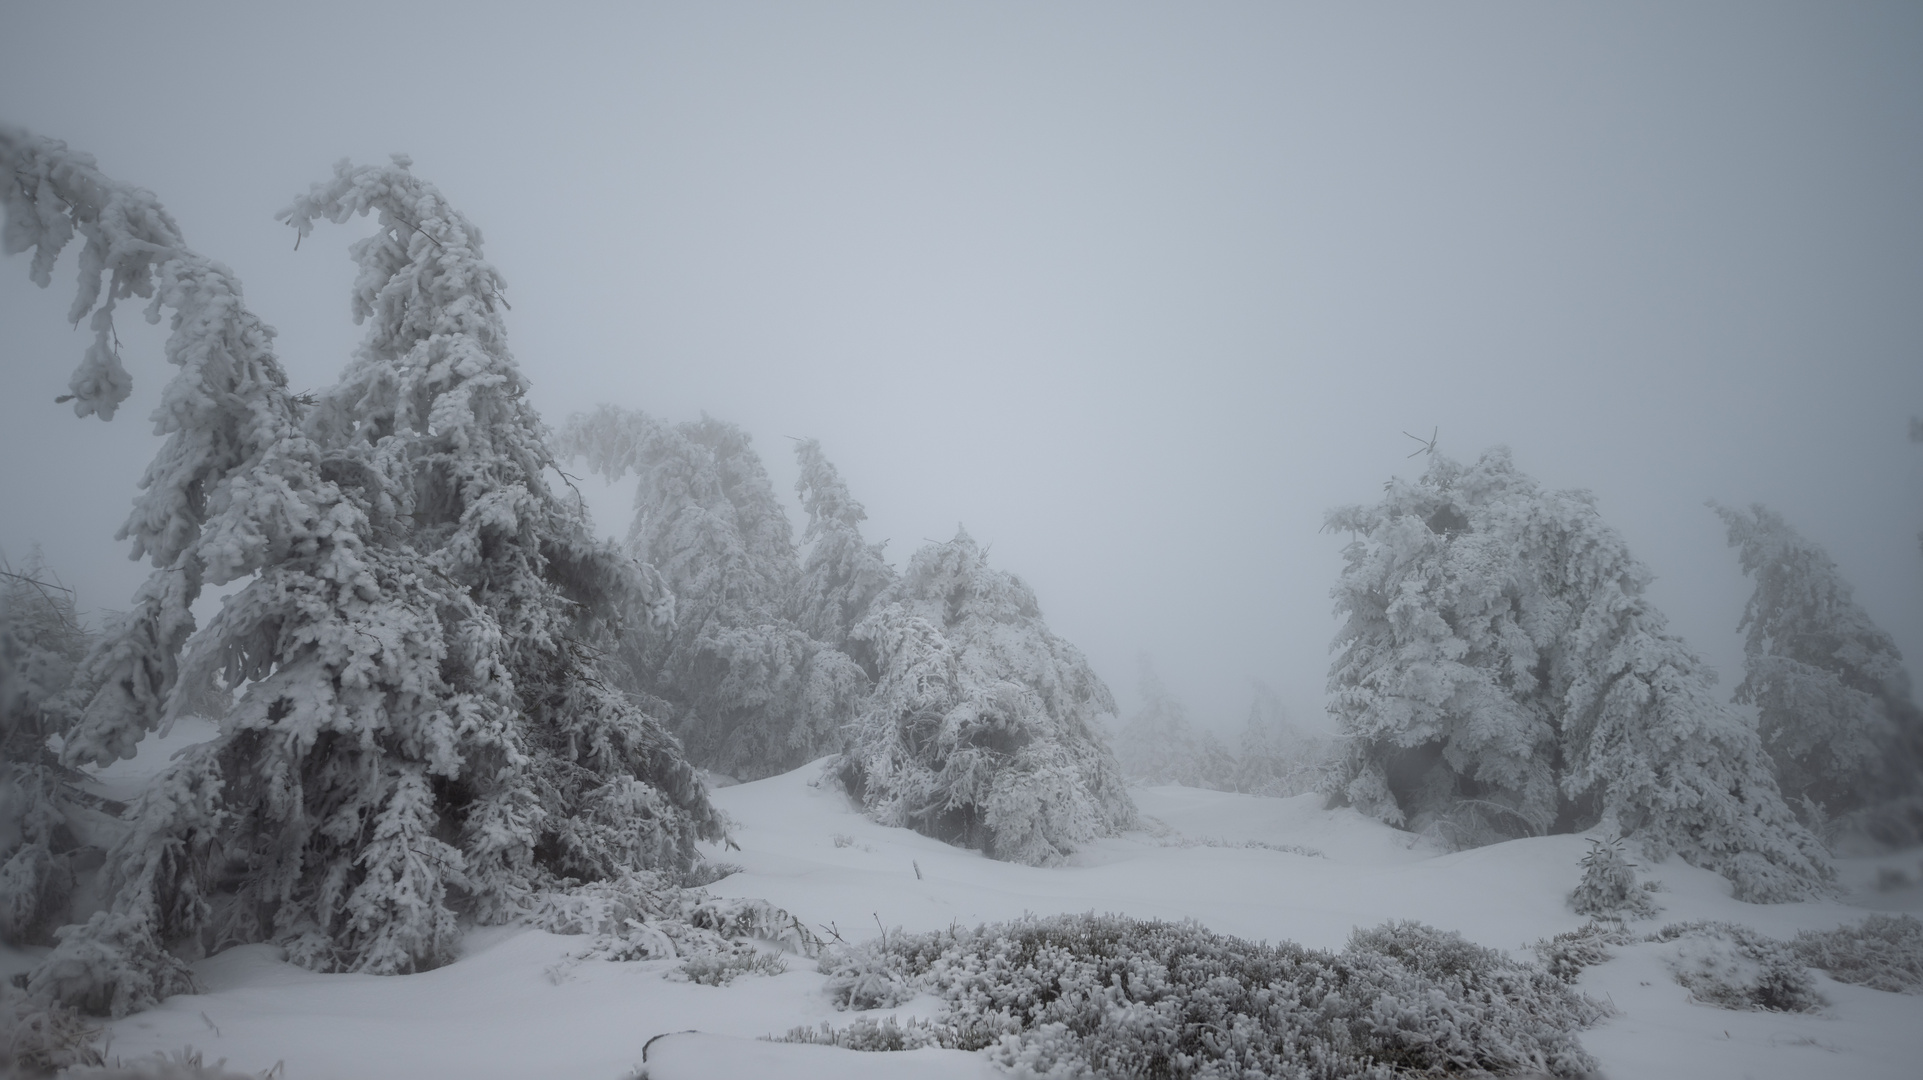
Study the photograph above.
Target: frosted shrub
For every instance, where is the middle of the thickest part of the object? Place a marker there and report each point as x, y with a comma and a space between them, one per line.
1608, 888
1734, 967
646, 916
707, 872
721, 968
880, 974
1079, 995
109, 965
183, 1065
37, 1037
868, 1034
1883, 952
1568, 953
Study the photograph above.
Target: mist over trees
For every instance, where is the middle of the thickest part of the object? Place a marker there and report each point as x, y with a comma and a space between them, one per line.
749, 692
950, 706
1272, 756
1832, 696
1500, 674
437, 698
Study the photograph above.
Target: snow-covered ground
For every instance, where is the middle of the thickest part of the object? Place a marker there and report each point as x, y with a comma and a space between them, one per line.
517, 1005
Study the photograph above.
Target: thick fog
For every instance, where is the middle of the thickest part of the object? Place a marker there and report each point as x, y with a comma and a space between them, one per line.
1135, 293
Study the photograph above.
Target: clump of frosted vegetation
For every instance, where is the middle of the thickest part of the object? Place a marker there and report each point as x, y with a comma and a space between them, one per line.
1568, 953
720, 969
1080, 995
182, 1065
649, 915
1734, 967
40, 1038
1608, 888
1883, 952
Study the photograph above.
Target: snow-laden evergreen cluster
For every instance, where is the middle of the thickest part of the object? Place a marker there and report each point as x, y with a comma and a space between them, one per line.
1831, 693
842, 574
1157, 745
955, 710
412, 724
750, 689
1500, 673
984, 726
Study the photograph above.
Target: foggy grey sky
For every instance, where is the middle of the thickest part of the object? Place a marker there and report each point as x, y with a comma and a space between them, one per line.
1134, 292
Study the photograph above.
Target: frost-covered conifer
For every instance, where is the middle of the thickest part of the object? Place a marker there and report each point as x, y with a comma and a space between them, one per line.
1156, 745
751, 693
411, 722
45, 839
983, 730
1500, 673
841, 575
1832, 696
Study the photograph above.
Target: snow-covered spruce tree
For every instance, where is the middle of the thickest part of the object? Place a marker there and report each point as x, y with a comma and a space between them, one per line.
411, 725
45, 816
1156, 745
1832, 696
842, 574
1500, 673
234, 487
750, 693
984, 728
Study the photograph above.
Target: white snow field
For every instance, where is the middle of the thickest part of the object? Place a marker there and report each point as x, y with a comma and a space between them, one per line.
517, 1005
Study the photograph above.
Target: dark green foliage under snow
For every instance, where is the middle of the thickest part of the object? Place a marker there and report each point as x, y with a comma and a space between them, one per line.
1117, 997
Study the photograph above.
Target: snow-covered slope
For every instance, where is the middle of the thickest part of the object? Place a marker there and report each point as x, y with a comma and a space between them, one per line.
516, 1005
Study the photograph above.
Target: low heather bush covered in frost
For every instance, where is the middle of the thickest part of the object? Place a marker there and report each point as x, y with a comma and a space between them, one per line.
1735, 967
37, 1038
646, 915
1883, 952
1567, 953
1110, 996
